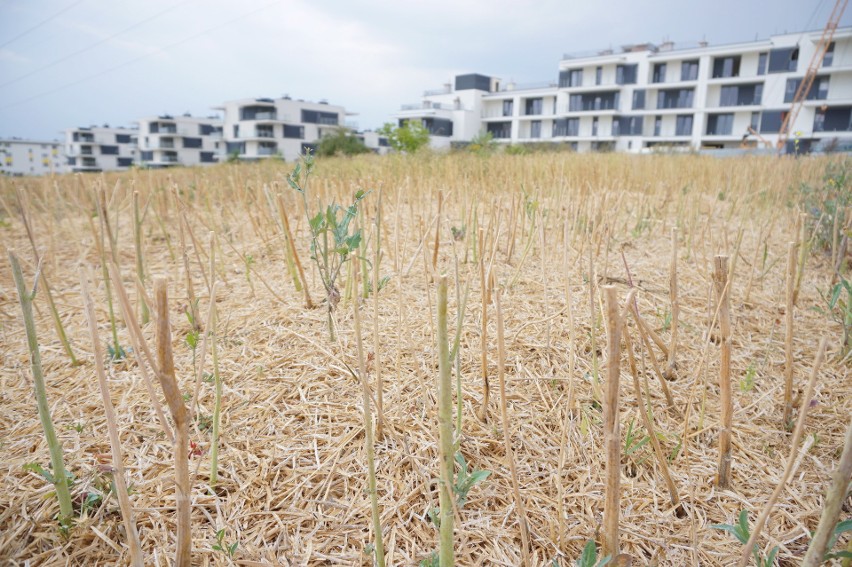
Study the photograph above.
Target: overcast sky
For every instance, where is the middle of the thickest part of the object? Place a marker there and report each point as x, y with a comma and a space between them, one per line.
68, 63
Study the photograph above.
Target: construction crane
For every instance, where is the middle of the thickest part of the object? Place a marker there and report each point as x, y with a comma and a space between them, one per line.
810, 75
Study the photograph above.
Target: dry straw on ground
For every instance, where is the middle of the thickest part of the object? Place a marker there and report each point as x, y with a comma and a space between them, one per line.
292, 486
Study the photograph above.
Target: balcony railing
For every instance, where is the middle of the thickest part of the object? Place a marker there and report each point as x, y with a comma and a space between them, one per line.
264, 133
166, 144
509, 87
266, 151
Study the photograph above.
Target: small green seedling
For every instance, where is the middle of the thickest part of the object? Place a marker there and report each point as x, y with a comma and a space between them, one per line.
223, 546
116, 353
589, 557
632, 442
466, 480
742, 532
747, 381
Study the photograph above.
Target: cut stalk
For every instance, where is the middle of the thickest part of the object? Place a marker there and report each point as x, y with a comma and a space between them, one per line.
57, 321
114, 441
788, 334
720, 278
140, 265
140, 347
377, 258
675, 310
213, 330
368, 431
612, 435
283, 212
507, 438
60, 477
445, 429
482, 412
168, 382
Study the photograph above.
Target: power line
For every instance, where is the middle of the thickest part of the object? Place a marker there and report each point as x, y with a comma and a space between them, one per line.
135, 59
92, 46
41, 23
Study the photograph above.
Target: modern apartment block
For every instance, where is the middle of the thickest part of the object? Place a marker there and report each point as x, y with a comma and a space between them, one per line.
179, 140
642, 96
99, 148
258, 128
30, 157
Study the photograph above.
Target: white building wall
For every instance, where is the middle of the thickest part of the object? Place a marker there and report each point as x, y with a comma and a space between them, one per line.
30, 157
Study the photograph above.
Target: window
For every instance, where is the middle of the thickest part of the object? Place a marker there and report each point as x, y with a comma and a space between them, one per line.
122, 138
835, 119
571, 78
208, 157
192, 142
724, 67
508, 107
683, 125
319, 117
659, 75
770, 121
297, 132
236, 130
626, 74
566, 127
828, 59
720, 124
146, 156
593, 101
627, 125
258, 113
72, 161
535, 129
818, 90
235, 148
689, 70
109, 150
533, 106
595, 126
783, 60
500, 129
438, 126
599, 74
675, 98
206, 129
125, 161
153, 128
754, 123
658, 125
761, 63
639, 99
741, 95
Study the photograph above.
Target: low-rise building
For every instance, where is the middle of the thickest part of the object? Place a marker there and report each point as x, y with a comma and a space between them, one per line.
259, 128
30, 157
100, 148
166, 141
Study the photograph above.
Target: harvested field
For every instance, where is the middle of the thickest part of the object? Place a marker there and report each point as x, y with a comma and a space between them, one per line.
543, 234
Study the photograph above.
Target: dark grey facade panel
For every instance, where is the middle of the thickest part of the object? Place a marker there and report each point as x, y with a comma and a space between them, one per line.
473, 81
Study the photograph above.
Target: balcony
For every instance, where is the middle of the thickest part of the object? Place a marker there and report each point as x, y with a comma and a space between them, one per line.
166, 144
267, 149
264, 133
447, 89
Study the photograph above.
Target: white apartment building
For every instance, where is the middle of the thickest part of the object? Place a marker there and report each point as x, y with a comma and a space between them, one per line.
646, 96
166, 141
100, 148
30, 157
257, 128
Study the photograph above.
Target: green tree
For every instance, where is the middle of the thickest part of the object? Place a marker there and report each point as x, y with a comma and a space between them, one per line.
408, 138
341, 142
